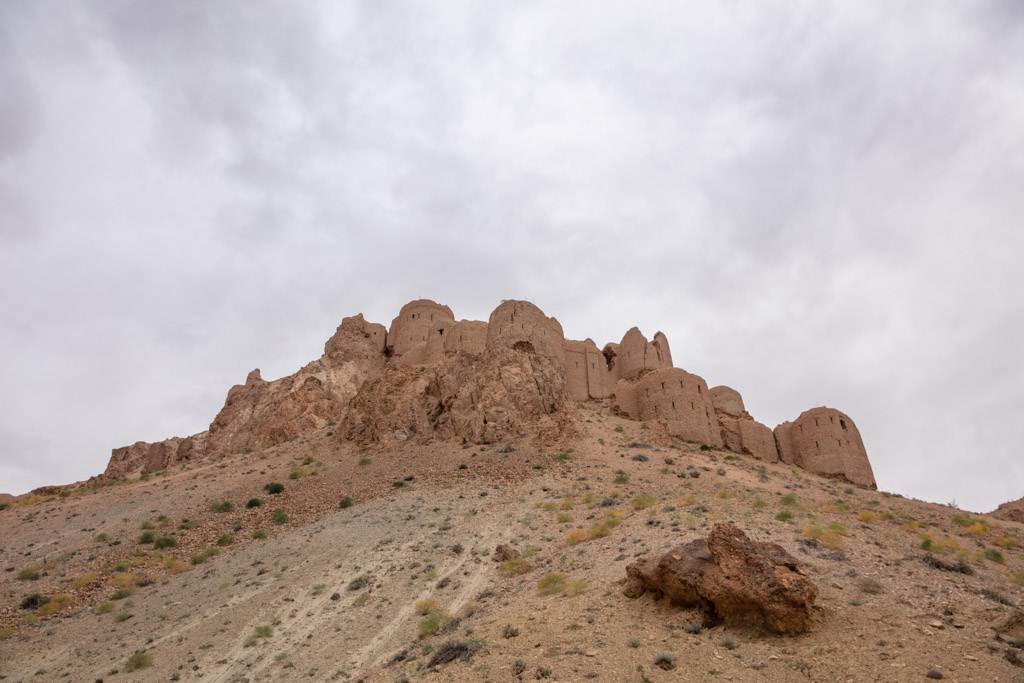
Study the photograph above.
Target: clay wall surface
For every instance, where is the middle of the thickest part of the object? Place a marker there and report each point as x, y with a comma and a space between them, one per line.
468, 336
587, 371
676, 396
417, 323
521, 325
635, 354
827, 442
727, 400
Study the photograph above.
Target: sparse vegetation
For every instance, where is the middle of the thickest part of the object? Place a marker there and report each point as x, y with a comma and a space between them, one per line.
433, 623
273, 488
869, 585
139, 660
346, 502
665, 661
28, 574
784, 516
515, 566
225, 539
425, 607
558, 582
280, 516
253, 503
164, 542
222, 506
258, 534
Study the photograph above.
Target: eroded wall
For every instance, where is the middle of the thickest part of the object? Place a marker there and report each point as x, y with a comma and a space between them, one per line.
676, 396
826, 442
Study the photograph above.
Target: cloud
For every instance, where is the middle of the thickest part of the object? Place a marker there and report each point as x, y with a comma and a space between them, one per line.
817, 206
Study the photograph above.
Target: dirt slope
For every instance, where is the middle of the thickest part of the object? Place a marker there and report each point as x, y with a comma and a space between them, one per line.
332, 593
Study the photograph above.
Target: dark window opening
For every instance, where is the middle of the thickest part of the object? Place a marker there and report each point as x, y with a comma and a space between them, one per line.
440, 332
815, 422
663, 386
523, 346
698, 389
831, 421
816, 445
412, 317
842, 423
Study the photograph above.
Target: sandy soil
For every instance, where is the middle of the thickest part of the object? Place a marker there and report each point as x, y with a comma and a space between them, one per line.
332, 593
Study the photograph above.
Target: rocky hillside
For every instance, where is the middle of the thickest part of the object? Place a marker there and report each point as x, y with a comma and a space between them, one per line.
431, 377
320, 559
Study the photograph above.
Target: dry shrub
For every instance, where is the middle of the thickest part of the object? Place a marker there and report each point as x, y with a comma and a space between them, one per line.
515, 566
425, 607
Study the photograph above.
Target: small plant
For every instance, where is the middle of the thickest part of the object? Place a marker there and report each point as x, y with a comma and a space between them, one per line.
57, 603
705, 447
784, 516
397, 484
146, 525
361, 600
621, 479
273, 488
759, 504
359, 582
509, 631
253, 503
298, 474
163, 542
870, 586
34, 601
365, 461
867, 517
225, 539
146, 537
665, 660
994, 555
346, 502
789, 499
122, 616
280, 516
434, 622
139, 660
28, 574
558, 582
514, 566
223, 506
694, 628
101, 538
728, 642
425, 607
643, 502
122, 593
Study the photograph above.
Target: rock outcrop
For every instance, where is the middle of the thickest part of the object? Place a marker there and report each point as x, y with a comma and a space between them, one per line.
730, 578
826, 442
1013, 511
432, 377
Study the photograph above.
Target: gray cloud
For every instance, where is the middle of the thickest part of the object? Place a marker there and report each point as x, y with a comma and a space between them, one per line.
817, 206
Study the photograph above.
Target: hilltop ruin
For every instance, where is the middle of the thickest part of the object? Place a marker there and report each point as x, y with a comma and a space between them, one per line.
430, 377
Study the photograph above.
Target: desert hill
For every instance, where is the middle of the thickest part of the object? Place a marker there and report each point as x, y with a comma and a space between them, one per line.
300, 540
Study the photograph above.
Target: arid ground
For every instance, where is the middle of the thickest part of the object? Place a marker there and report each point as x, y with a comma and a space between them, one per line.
401, 584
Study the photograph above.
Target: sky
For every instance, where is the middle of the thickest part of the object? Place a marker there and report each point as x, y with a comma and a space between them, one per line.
818, 206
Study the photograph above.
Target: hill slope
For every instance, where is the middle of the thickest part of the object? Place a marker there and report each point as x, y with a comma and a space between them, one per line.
332, 593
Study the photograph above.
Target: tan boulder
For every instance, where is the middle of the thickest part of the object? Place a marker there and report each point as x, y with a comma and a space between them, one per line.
1012, 510
826, 442
730, 578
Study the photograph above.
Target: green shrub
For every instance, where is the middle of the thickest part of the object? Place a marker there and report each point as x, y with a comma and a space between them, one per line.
434, 622
665, 660
223, 506
280, 516
995, 556
273, 488
162, 542
258, 534
225, 539
345, 502
147, 537
253, 503
28, 574
784, 516
139, 660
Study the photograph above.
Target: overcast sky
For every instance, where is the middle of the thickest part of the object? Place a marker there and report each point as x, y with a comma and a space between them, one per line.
823, 206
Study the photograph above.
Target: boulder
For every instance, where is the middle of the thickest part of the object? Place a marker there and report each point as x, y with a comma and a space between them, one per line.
731, 579
1012, 511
